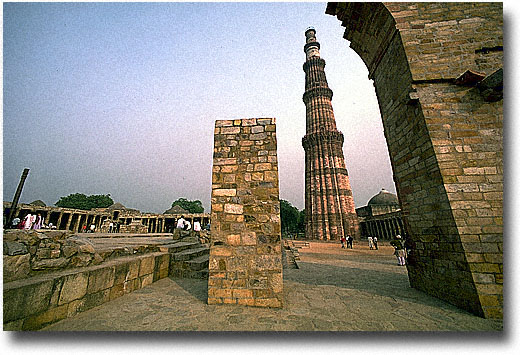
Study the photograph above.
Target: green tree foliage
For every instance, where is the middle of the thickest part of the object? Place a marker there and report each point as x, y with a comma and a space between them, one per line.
290, 217
301, 221
190, 206
84, 202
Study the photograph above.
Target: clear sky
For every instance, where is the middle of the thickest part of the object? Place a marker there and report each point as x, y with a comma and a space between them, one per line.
121, 98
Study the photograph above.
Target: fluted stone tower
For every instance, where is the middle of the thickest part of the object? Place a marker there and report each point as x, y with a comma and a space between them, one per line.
329, 206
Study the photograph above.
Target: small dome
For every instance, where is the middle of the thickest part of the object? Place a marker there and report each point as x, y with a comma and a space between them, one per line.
176, 210
38, 203
117, 206
384, 198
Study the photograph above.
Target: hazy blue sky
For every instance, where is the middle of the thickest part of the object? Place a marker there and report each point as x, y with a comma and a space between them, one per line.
121, 98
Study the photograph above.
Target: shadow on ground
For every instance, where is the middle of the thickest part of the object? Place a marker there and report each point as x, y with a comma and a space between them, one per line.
198, 288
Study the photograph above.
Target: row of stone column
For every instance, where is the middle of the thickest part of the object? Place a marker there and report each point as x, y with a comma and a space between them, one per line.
74, 220
385, 228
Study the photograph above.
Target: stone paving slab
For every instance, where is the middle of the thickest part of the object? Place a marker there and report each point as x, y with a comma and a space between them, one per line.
334, 290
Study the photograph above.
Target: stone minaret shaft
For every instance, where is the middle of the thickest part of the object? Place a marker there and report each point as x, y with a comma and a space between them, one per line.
329, 206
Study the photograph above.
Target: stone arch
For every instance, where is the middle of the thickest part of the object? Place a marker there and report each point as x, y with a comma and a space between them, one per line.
437, 71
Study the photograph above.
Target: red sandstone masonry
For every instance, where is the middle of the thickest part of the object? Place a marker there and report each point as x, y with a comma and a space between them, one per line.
329, 206
245, 265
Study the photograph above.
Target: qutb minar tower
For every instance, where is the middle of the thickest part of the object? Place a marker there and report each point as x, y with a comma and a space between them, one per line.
329, 206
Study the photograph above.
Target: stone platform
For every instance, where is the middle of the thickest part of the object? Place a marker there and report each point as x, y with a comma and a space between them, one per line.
334, 289
93, 269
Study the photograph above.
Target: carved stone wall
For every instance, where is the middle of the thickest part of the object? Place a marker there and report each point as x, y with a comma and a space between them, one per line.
245, 265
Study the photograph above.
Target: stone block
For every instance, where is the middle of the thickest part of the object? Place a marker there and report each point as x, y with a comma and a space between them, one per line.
146, 280
120, 273
224, 192
147, 265
233, 208
92, 300
74, 287
16, 267
116, 291
74, 307
46, 264
48, 317
26, 300
101, 279
14, 248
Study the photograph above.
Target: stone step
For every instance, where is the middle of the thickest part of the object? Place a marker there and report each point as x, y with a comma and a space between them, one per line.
198, 263
178, 247
190, 254
191, 274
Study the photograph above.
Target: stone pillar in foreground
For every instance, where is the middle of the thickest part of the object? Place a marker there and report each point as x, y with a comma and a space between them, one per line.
245, 264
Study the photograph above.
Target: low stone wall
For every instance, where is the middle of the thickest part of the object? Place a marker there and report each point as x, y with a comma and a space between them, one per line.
32, 303
32, 253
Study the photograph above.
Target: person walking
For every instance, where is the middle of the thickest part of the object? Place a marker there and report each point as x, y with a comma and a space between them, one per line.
370, 243
349, 241
375, 241
399, 251
343, 240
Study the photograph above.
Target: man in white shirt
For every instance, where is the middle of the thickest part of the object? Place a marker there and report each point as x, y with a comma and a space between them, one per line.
181, 222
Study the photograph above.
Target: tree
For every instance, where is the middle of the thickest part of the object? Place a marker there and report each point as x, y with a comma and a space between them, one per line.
190, 206
301, 221
84, 202
289, 216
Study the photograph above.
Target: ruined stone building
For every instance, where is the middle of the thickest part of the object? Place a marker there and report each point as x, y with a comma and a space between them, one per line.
130, 220
329, 205
381, 217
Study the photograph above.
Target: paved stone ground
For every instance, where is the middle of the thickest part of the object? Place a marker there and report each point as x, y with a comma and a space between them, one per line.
334, 290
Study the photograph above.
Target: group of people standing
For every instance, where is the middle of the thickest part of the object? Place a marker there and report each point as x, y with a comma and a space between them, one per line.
30, 221
186, 225
114, 227
346, 242
400, 247
372, 243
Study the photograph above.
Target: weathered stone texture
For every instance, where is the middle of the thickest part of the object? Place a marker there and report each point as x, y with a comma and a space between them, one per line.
245, 265
30, 304
444, 137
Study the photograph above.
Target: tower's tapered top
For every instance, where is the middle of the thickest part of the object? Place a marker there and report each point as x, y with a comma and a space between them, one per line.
312, 47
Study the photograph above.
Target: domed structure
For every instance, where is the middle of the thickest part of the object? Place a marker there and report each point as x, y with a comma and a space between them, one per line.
116, 206
384, 198
381, 217
38, 203
176, 210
